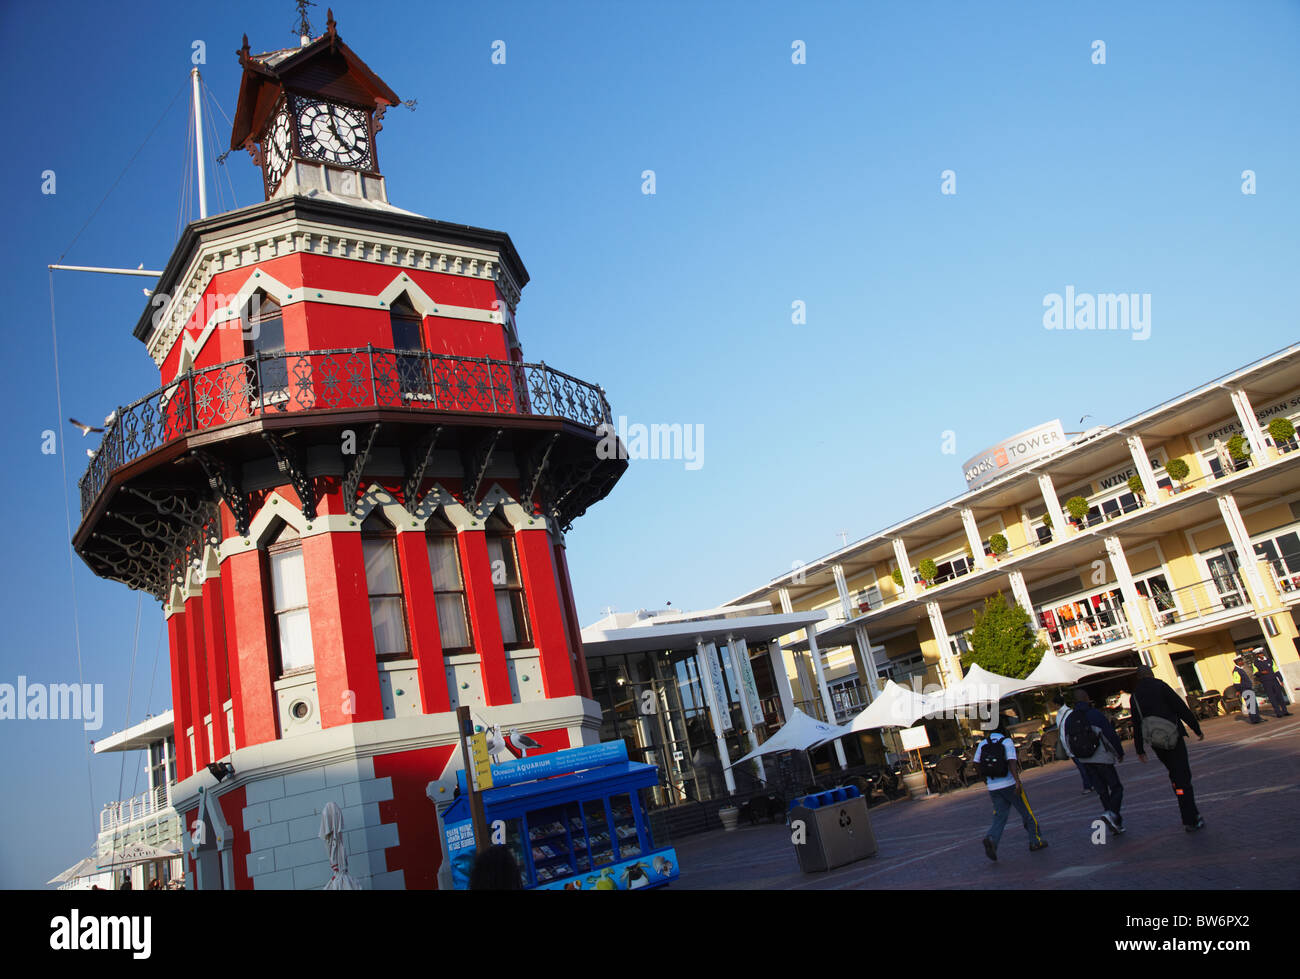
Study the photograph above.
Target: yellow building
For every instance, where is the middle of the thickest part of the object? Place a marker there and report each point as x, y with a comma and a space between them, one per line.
1179, 574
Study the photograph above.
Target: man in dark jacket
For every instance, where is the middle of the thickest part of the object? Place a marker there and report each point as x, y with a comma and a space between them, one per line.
1155, 698
1087, 727
1270, 686
1246, 684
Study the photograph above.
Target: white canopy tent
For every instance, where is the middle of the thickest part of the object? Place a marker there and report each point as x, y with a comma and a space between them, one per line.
1053, 671
85, 867
979, 686
895, 706
134, 854
800, 733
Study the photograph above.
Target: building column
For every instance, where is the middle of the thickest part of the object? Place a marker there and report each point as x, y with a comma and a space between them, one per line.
214, 638
1020, 592
342, 637
861, 654
781, 677
738, 650
482, 598
422, 617
948, 664
825, 689
1249, 424
197, 669
871, 682
1137, 610
973, 540
1275, 621
541, 589
800, 670
905, 566
705, 655
1048, 489
564, 582
1142, 462
176, 632
250, 645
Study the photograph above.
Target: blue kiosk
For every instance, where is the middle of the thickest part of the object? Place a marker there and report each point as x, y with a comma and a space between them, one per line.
573, 819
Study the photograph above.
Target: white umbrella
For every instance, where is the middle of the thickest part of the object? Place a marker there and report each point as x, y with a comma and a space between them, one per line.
1052, 671
800, 733
84, 867
331, 831
134, 854
895, 706
979, 686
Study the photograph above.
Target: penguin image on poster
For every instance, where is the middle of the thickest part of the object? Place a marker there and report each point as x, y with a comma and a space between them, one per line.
634, 876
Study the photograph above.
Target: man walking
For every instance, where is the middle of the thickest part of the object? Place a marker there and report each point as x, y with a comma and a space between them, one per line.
1159, 715
996, 758
1093, 743
1246, 684
1062, 712
1270, 684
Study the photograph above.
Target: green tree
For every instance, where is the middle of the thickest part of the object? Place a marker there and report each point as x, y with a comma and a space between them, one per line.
1003, 641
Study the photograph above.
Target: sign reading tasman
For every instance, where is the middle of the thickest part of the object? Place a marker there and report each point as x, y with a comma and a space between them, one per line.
1015, 451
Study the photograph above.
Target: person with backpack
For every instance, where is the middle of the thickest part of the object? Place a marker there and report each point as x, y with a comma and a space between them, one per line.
1158, 718
1062, 713
996, 758
1093, 743
1246, 684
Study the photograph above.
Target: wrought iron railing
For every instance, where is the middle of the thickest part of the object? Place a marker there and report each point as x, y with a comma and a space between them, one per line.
1221, 593
319, 380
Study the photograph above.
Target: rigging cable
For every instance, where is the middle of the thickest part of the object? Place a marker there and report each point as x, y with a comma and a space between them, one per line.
67, 519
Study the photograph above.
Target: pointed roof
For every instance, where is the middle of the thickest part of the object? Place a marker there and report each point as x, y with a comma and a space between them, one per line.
326, 67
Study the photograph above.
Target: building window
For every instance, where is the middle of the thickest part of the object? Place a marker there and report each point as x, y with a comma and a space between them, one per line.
511, 607
384, 585
289, 603
408, 336
449, 590
264, 338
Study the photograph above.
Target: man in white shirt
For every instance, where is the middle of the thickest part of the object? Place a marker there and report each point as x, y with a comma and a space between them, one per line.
996, 758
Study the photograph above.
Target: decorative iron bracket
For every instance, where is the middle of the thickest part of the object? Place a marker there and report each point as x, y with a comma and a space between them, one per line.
221, 478
476, 464
353, 478
417, 464
534, 465
290, 461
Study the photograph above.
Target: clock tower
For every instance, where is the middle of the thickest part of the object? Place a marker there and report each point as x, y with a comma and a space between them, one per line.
309, 115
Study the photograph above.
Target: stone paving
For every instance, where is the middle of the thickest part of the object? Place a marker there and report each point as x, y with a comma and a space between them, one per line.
1247, 784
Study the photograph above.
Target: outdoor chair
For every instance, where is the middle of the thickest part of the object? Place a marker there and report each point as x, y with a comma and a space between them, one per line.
1231, 701
948, 772
1049, 743
1029, 753
1194, 702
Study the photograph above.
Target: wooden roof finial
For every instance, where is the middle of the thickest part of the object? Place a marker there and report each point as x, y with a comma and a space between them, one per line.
244, 52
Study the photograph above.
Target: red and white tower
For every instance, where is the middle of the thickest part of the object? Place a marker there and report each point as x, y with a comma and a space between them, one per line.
350, 494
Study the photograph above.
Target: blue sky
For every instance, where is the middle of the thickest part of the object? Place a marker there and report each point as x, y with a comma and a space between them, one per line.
776, 183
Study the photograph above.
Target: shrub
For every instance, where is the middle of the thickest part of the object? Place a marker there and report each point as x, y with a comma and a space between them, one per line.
1238, 448
1077, 507
928, 570
1281, 430
1178, 469
898, 577
998, 544
1135, 485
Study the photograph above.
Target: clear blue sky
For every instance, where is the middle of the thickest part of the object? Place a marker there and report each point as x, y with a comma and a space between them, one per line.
775, 183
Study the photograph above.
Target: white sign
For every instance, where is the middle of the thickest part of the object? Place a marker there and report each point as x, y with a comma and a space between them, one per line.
748, 685
915, 738
714, 688
1015, 451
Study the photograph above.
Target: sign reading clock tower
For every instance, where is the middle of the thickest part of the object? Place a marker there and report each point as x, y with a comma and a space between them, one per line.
309, 115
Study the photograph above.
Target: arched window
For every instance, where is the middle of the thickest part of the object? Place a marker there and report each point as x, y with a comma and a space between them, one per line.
291, 621
408, 336
448, 588
512, 609
384, 584
264, 337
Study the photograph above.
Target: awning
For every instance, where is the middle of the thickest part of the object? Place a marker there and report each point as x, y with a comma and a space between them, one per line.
134, 854
800, 733
895, 706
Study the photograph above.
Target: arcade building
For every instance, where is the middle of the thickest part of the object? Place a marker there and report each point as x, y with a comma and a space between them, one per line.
350, 493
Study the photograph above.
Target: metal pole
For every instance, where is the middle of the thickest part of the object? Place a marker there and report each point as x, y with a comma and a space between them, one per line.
477, 814
92, 268
198, 144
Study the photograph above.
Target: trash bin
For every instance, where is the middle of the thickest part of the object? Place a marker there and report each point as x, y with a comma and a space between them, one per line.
835, 831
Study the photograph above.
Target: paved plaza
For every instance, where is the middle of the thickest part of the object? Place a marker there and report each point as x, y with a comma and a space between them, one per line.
1247, 784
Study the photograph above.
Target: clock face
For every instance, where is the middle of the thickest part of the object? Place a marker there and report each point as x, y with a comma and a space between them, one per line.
279, 143
334, 133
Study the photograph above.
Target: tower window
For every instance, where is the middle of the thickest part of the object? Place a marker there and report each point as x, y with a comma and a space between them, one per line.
289, 602
449, 590
264, 338
512, 610
408, 336
384, 584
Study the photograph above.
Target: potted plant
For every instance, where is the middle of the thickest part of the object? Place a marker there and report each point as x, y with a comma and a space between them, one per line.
928, 571
1077, 508
998, 545
1047, 522
1179, 470
897, 575
1136, 486
1282, 432
730, 817
1238, 449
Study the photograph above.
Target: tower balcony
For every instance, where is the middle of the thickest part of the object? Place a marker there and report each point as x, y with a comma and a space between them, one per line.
165, 459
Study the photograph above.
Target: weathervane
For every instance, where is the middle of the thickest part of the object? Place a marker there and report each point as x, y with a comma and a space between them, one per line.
303, 28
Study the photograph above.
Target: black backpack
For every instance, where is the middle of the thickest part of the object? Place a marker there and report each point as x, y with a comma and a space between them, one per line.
993, 758
1081, 736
